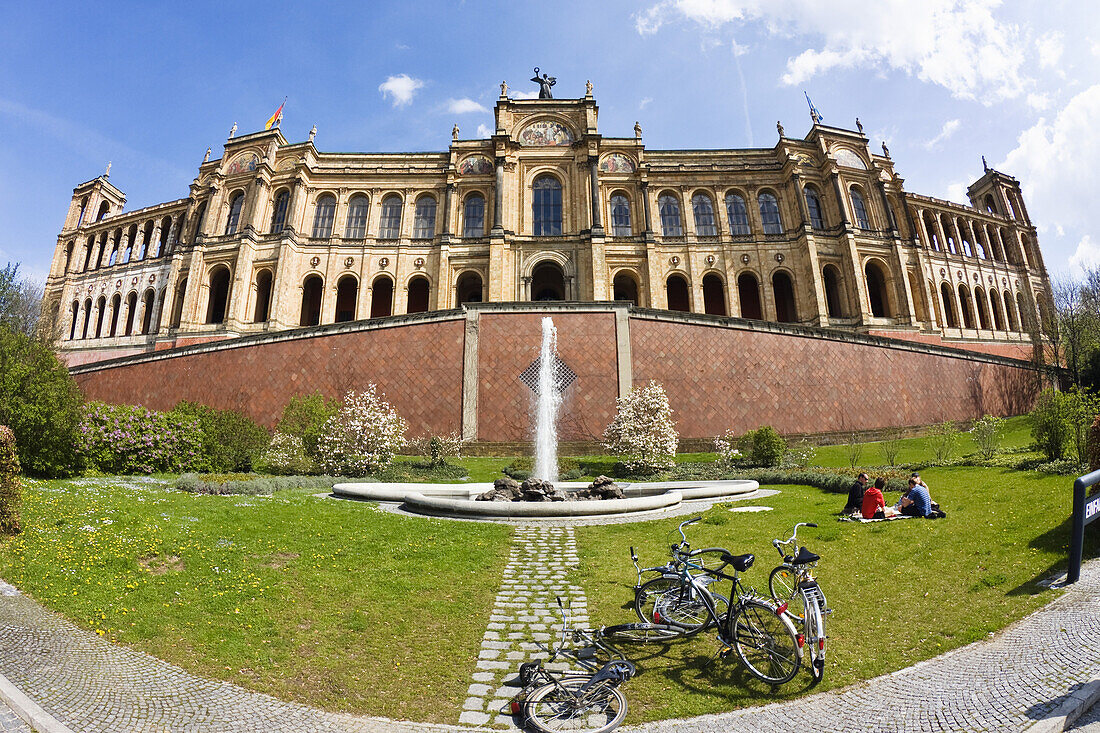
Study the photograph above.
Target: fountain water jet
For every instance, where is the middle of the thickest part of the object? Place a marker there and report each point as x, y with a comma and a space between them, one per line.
548, 400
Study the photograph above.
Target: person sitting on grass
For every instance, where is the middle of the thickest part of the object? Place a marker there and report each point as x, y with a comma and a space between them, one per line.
874, 505
855, 495
915, 502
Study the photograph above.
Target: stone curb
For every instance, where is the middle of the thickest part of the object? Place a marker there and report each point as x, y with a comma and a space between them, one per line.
1076, 703
30, 711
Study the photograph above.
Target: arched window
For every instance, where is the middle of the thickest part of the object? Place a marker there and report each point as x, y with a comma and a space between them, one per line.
933, 237
876, 290
948, 232
980, 305
114, 249
234, 219
748, 292
625, 287
381, 303
546, 206
676, 291
769, 213
101, 311
312, 289
785, 309
324, 216
218, 301
620, 216
418, 295
964, 307
88, 315
813, 205
104, 209
468, 288
669, 207
714, 295
964, 237
948, 302
390, 225
703, 210
990, 204
88, 246
162, 240
100, 251
547, 282
738, 215
1010, 314
177, 306
278, 211
263, 297
1027, 319
995, 306
831, 278
347, 297
147, 311
473, 216
76, 317
859, 209
199, 220
980, 247
358, 208
83, 210
131, 311
116, 305
146, 236
69, 255
424, 218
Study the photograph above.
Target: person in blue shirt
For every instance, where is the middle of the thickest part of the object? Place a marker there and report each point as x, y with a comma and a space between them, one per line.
916, 502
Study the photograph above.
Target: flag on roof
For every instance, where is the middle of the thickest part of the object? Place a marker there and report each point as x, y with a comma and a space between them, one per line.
814, 114
276, 118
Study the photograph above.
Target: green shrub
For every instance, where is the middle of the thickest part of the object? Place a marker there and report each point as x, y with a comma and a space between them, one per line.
133, 439
9, 483
305, 416
40, 402
249, 484
230, 440
943, 437
987, 435
890, 445
285, 455
1050, 424
763, 446
834, 481
1094, 445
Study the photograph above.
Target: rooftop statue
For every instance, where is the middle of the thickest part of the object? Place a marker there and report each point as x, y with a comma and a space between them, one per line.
544, 82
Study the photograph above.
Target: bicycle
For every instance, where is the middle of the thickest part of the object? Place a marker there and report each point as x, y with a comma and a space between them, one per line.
688, 615
760, 632
792, 582
588, 701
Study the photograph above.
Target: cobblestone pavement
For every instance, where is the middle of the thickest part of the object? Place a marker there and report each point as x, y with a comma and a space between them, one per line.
1001, 684
10, 722
525, 611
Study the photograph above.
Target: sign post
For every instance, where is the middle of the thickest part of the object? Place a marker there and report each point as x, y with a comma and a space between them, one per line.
1085, 510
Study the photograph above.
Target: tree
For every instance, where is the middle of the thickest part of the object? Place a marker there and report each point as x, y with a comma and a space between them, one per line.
642, 434
20, 301
1077, 322
362, 437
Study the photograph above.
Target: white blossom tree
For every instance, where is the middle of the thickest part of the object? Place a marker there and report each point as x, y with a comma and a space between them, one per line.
642, 433
362, 437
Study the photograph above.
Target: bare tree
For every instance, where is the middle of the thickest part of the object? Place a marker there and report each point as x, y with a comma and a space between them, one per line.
1077, 320
20, 301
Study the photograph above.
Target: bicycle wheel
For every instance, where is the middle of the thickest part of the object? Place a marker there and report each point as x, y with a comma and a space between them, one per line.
783, 586
669, 601
765, 641
815, 640
563, 705
642, 633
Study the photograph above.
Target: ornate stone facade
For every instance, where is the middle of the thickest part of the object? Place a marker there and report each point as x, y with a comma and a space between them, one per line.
816, 231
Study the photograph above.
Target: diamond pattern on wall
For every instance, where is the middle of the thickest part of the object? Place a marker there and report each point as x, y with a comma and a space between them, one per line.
563, 375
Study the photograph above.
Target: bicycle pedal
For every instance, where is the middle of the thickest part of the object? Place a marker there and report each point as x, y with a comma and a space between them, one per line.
725, 652
827, 611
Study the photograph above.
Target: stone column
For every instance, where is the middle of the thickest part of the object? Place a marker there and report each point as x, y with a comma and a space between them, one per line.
154, 242
886, 207
498, 197
647, 212
97, 250
594, 183
940, 233
448, 197
800, 193
173, 234
841, 201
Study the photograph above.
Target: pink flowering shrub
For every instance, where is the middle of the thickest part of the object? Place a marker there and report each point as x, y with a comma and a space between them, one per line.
131, 439
362, 437
642, 434
285, 455
9, 483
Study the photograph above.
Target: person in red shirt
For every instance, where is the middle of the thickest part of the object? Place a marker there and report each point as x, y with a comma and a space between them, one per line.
874, 505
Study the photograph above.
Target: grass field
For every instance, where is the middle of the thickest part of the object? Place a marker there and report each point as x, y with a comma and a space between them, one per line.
342, 606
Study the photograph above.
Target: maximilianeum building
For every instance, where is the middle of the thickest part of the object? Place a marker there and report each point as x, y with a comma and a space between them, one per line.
817, 231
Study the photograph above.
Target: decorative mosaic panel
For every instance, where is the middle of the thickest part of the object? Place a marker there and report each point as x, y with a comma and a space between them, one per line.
242, 163
847, 158
616, 163
546, 132
562, 375
475, 165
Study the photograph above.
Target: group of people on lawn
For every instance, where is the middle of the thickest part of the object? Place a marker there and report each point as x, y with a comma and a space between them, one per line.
870, 504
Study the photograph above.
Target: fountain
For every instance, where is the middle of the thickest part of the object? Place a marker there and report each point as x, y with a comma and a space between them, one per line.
547, 402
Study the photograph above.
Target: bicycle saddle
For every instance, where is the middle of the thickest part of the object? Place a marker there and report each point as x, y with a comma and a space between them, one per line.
740, 563
804, 557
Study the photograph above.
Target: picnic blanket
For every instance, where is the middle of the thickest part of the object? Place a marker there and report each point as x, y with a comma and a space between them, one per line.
861, 520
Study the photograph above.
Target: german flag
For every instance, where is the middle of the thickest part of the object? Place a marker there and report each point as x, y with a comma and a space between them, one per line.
276, 118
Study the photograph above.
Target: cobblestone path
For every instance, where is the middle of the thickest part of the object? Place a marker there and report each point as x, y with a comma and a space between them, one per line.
525, 611
10, 722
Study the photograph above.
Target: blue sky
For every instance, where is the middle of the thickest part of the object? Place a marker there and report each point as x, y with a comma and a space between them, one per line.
149, 85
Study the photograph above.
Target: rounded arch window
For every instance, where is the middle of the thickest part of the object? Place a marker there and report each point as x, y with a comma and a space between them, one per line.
389, 226
424, 218
263, 296
876, 290
218, 302
786, 310
546, 206
358, 209
859, 208
347, 298
714, 294
769, 213
324, 216
468, 288
418, 295
677, 294
547, 282
473, 216
813, 205
669, 208
830, 276
738, 214
312, 290
625, 287
381, 303
620, 216
748, 292
235, 205
278, 211
702, 209
964, 307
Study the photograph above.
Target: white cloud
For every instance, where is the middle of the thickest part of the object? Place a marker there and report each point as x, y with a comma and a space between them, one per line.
644, 103
1050, 48
946, 131
957, 192
401, 87
957, 44
484, 131
525, 95
464, 106
1038, 102
738, 49
1086, 257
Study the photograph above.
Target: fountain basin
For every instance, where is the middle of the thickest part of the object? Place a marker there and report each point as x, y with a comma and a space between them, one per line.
458, 499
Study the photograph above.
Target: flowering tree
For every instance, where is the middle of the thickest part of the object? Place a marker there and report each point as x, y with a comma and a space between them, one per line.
642, 434
9, 483
285, 455
132, 439
726, 448
362, 437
